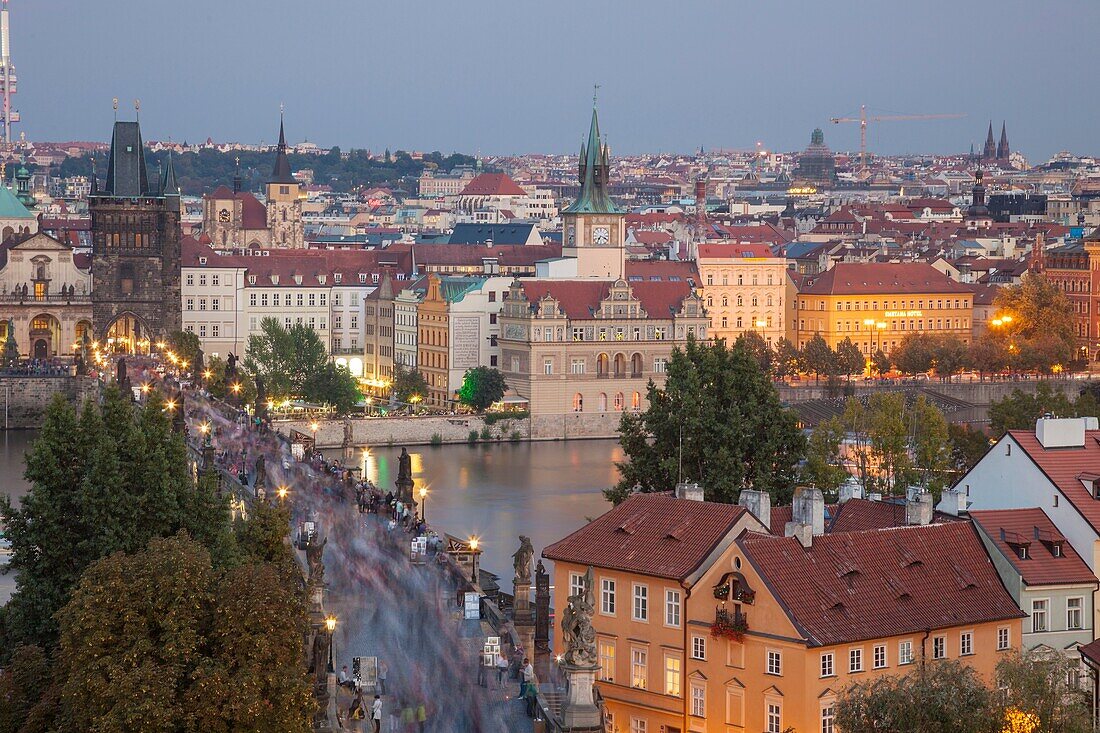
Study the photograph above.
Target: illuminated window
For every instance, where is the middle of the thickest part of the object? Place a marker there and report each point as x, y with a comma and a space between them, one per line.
639, 659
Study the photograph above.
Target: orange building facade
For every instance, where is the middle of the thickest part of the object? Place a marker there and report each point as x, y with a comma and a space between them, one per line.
811, 619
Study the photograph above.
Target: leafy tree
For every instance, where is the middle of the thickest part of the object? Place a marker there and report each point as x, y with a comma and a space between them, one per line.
481, 387
788, 359
849, 358
1020, 410
718, 416
913, 354
1038, 687
332, 385
823, 467
407, 384
24, 706
930, 446
818, 358
941, 697
1041, 331
761, 350
968, 446
948, 355
880, 441
880, 362
186, 345
160, 640
987, 355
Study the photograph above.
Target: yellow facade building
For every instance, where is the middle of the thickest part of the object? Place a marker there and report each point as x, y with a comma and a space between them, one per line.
744, 289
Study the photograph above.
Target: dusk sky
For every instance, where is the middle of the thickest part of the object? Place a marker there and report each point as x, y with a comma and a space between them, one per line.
516, 76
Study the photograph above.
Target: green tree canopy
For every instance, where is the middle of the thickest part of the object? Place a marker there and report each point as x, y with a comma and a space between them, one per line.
1037, 685
1020, 410
968, 446
849, 358
761, 350
949, 355
185, 345
481, 387
407, 384
1038, 324
818, 358
293, 362
332, 385
718, 416
221, 387
913, 354
987, 354
788, 359
823, 467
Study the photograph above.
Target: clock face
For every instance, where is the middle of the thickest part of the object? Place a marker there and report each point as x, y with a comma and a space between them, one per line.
601, 235
223, 215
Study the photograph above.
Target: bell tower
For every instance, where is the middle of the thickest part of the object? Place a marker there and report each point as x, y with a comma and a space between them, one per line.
593, 227
284, 203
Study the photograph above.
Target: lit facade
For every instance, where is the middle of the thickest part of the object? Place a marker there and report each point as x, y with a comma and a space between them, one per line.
744, 289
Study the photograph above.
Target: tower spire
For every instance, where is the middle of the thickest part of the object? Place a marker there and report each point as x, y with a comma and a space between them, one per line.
989, 152
1002, 146
281, 173
594, 172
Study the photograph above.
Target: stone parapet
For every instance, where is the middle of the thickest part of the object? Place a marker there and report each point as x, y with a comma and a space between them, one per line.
25, 398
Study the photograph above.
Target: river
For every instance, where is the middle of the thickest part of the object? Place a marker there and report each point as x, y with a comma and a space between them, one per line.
495, 492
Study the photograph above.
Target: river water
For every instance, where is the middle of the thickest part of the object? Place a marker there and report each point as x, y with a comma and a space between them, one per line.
496, 492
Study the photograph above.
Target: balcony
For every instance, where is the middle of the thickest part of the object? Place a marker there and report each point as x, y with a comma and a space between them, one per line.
729, 624
59, 298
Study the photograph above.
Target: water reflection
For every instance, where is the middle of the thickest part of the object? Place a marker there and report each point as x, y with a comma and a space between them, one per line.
13, 444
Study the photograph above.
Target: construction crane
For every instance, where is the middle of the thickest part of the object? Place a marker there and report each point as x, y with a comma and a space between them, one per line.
863, 119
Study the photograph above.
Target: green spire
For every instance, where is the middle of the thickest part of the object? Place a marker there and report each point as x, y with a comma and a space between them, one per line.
594, 175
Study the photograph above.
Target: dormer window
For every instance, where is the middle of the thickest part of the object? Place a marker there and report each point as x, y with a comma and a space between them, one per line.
274, 279
1022, 552
251, 279
202, 260
337, 277
362, 277
1056, 551
323, 279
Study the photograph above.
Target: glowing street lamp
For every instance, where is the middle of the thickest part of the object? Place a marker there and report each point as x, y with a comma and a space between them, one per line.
473, 542
207, 374
236, 387
761, 323
330, 625
281, 492
170, 405
424, 503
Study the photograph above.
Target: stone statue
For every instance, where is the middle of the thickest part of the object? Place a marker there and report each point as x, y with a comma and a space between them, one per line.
179, 417
404, 466
11, 348
261, 398
315, 552
230, 366
259, 484
521, 560
577, 633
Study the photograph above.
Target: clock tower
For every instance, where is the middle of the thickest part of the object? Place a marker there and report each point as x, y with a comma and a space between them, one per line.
284, 203
593, 227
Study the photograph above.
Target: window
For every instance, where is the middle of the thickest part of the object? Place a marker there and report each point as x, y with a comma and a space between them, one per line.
672, 607
607, 596
774, 719
215, 304
576, 584
775, 662
547, 366
966, 643
905, 652
698, 647
1002, 638
637, 725
576, 366
1039, 615
827, 665
215, 330
639, 658
190, 279
855, 660
252, 299
641, 602
190, 304
672, 676
607, 660
698, 700
828, 718
939, 647
1073, 613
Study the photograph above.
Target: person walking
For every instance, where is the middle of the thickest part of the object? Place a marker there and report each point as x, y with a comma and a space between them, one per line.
383, 671
421, 716
355, 711
502, 667
527, 675
376, 714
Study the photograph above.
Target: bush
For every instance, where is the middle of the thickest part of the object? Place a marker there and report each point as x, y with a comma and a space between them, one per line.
516, 436
491, 418
437, 439
486, 433
472, 437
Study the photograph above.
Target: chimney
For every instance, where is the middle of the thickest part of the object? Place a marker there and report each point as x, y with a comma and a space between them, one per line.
807, 515
953, 502
851, 489
759, 503
1068, 432
691, 491
918, 508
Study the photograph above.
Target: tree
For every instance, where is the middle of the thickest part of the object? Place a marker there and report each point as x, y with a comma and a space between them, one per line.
941, 697
1020, 410
161, 640
968, 446
880, 441
24, 704
849, 358
408, 384
818, 358
760, 349
788, 359
913, 354
987, 355
880, 362
930, 446
823, 467
332, 385
1037, 685
481, 387
186, 346
948, 355
717, 421
1038, 324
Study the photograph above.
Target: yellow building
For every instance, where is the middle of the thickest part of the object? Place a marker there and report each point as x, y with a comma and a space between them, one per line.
876, 305
743, 287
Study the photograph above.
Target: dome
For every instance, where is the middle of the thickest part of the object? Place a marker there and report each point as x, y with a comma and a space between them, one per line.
816, 163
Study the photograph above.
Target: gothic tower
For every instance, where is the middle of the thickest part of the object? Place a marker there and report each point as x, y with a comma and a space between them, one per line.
135, 248
284, 205
989, 152
1002, 146
594, 228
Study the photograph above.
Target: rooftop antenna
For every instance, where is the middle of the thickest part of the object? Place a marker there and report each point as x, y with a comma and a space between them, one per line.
595, 89
114, 103
137, 110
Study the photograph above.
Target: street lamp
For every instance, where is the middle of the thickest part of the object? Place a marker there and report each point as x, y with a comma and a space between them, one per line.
281, 492
330, 625
424, 503
473, 543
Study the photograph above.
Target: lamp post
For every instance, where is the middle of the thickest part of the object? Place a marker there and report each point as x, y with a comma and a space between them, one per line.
330, 625
870, 324
424, 503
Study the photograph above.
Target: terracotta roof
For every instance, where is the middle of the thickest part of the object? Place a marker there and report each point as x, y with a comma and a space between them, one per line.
856, 515
580, 298
854, 586
1091, 651
649, 236
509, 255
651, 534
663, 270
726, 251
876, 278
1009, 529
253, 213
492, 184
1063, 466
310, 264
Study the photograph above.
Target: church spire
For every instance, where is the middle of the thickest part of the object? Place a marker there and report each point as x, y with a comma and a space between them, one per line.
594, 174
281, 172
989, 152
1002, 146
169, 186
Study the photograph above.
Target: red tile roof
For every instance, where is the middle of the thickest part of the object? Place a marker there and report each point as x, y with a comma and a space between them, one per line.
665, 270
856, 515
1063, 466
1011, 528
869, 585
580, 298
876, 278
727, 251
492, 184
651, 534
253, 213
508, 255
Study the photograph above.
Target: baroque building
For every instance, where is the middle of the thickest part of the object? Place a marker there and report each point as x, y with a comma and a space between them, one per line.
135, 247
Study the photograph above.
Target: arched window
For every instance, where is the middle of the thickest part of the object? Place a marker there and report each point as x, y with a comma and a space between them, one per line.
710, 301
603, 402
578, 402
620, 402
620, 365
636, 401
769, 300
740, 301
725, 301
603, 364
754, 301
636, 365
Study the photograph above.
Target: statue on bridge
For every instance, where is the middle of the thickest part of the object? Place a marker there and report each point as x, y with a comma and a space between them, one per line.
261, 398
122, 379
577, 633
404, 480
259, 483
11, 348
230, 367
315, 552
521, 560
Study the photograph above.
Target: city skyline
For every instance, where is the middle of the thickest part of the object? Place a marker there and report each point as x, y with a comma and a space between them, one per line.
476, 82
